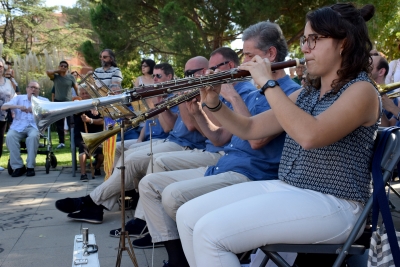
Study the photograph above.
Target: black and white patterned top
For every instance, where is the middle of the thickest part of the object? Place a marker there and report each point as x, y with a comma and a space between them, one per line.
341, 169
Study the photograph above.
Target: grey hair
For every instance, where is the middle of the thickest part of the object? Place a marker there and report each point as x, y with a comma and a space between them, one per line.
267, 34
82, 86
4, 66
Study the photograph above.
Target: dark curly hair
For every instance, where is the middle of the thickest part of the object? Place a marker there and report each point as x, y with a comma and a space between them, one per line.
149, 63
344, 22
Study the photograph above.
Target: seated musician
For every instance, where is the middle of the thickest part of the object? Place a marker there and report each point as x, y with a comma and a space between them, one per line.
161, 194
23, 126
90, 208
324, 178
88, 122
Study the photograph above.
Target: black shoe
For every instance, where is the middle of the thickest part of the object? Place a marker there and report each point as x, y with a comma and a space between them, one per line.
84, 178
97, 172
145, 242
135, 227
19, 172
92, 214
69, 205
30, 172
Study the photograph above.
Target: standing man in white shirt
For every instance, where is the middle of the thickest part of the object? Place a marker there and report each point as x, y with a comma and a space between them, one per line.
23, 126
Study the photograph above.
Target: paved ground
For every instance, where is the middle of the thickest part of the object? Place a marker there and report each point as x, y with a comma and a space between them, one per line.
33, 233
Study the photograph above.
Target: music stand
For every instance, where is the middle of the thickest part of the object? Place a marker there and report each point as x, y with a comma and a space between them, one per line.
124, 235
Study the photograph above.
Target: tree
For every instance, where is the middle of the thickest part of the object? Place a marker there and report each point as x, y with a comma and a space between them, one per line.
176, 30
28, 26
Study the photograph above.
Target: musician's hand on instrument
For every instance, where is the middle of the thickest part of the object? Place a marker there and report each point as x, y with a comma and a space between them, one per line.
388, 104
193, 106
85, 118
228, 92
259, 68
210, 95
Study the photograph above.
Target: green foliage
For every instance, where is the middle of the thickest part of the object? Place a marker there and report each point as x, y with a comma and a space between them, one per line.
29, 26
90, 53
175, 30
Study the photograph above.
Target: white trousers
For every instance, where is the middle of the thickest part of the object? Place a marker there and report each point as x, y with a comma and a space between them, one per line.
242, 217
118, 148
182, 160
177, 160
161, 194
13, 138
136, 163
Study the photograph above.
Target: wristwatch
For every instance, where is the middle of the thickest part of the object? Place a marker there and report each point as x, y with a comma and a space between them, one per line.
268, 84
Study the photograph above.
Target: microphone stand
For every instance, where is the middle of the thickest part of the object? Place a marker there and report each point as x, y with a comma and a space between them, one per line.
124, 235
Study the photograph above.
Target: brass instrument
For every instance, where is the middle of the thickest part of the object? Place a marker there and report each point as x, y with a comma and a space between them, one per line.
93, 140
393, 95
384, 89
45, 113
96, 88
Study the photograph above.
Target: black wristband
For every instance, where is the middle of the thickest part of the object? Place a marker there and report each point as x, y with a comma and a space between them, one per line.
214, 109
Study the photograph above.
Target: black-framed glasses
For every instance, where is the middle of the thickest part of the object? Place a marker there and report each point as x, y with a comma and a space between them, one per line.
159, 76
189, 73
63, 66
144, 66
311, 40
219, 65
104, 57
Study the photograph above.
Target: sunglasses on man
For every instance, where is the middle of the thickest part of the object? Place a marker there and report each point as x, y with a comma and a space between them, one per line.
219, 65
159, 76
189, 73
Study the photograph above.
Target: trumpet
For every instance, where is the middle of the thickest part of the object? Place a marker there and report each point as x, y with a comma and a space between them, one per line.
94, 140
45, 113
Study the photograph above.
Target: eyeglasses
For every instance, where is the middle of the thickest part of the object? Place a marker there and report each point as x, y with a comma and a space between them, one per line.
104, 57
219, 65
34, 87
189, 73
63, 66
311, 40
159, 76
144, 66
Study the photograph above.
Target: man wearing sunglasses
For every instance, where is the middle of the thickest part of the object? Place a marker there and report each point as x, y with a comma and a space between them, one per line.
63, 84
108, 73
23, 126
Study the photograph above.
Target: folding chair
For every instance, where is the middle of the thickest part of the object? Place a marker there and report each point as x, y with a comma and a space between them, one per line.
389, 163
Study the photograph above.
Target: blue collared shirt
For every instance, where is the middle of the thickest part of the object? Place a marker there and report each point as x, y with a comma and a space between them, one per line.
23, 119
243, 89
157, 132
256, 164
183, 137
